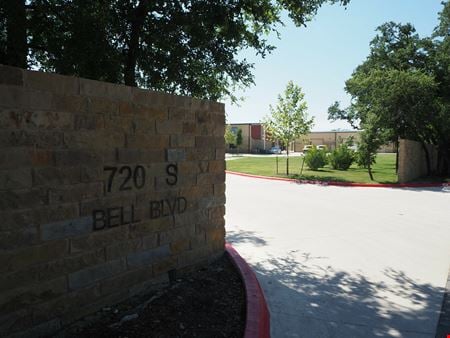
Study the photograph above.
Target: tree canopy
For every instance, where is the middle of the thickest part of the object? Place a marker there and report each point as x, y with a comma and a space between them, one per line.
187, 47
289, 119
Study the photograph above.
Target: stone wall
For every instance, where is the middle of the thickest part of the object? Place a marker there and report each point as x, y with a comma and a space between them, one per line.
412, 161
105, 191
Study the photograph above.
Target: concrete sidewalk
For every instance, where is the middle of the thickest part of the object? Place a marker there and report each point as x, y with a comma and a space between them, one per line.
344, 262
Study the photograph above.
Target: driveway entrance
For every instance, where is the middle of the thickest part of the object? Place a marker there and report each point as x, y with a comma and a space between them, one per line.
340, 261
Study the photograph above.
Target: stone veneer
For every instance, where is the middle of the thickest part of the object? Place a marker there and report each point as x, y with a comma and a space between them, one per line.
105, 192
412, 162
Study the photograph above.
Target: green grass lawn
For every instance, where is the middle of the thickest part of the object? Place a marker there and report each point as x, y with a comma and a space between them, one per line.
383, 170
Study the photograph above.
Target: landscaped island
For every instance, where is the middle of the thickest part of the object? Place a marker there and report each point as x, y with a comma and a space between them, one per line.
383, 169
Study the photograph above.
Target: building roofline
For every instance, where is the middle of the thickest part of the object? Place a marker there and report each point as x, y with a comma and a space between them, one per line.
313, 131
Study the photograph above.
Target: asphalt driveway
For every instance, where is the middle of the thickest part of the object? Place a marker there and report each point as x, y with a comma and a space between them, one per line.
343, 262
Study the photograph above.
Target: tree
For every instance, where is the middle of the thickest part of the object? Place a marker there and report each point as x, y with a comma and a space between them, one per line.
403, 83
13, 38
404, 102
371, 139
187, 47
239, 138
289, 119
230, 137
396, 47
441, 70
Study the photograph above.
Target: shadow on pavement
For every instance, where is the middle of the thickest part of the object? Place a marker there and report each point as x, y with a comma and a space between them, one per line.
245, 237
308, 300
432, 189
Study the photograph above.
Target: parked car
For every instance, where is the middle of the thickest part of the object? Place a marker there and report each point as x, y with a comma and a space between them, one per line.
307, 148
275, 150
321, 147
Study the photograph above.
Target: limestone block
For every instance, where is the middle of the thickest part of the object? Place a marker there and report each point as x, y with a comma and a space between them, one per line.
94, 139
175, 154
14, 238
21, 258
107, 90
50, 82
69, 264
182, 141
98, 239
88, 121
216, 212
217, 166
179, 246
12, 97
211, 178
19, 178
85, 277
189, 128
69, 103
123, 248
148, 257
37, 139
38, 100
205, 141
17, 298
148, 227
98, 105
147, 141
176, 113
66, 228
11, 76
177, 234
70, 158
198, 240
125, 280
22, 199
194, 256
202, 154
169, 127
54, 176
219, 189
215, 235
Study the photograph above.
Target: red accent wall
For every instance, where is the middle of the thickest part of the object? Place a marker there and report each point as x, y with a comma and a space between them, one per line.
256, 132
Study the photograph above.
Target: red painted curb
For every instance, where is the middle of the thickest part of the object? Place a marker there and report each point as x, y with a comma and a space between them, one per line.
343, 184
258, 318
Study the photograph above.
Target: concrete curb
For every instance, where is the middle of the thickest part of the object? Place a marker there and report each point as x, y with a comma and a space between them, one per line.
343, 184
257, 323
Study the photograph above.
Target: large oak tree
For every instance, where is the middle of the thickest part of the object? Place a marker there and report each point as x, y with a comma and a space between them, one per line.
402, 89
180, 46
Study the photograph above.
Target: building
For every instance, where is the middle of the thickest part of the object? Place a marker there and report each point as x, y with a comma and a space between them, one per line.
254, 140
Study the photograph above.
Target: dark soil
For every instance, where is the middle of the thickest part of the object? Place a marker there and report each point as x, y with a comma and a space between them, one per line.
209, 302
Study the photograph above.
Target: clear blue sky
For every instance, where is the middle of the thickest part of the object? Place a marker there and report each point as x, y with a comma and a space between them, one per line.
321, 56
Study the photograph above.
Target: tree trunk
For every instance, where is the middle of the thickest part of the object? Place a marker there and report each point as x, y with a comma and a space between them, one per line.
443, 160
287, 161
396, 155
16, 33
369, 169
427, 158
137, 22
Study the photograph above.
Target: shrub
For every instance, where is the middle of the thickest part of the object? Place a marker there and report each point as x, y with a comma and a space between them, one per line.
316, 159
342, 157
364, 158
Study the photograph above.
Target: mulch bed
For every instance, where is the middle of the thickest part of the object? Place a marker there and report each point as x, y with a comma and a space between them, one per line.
209, 302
